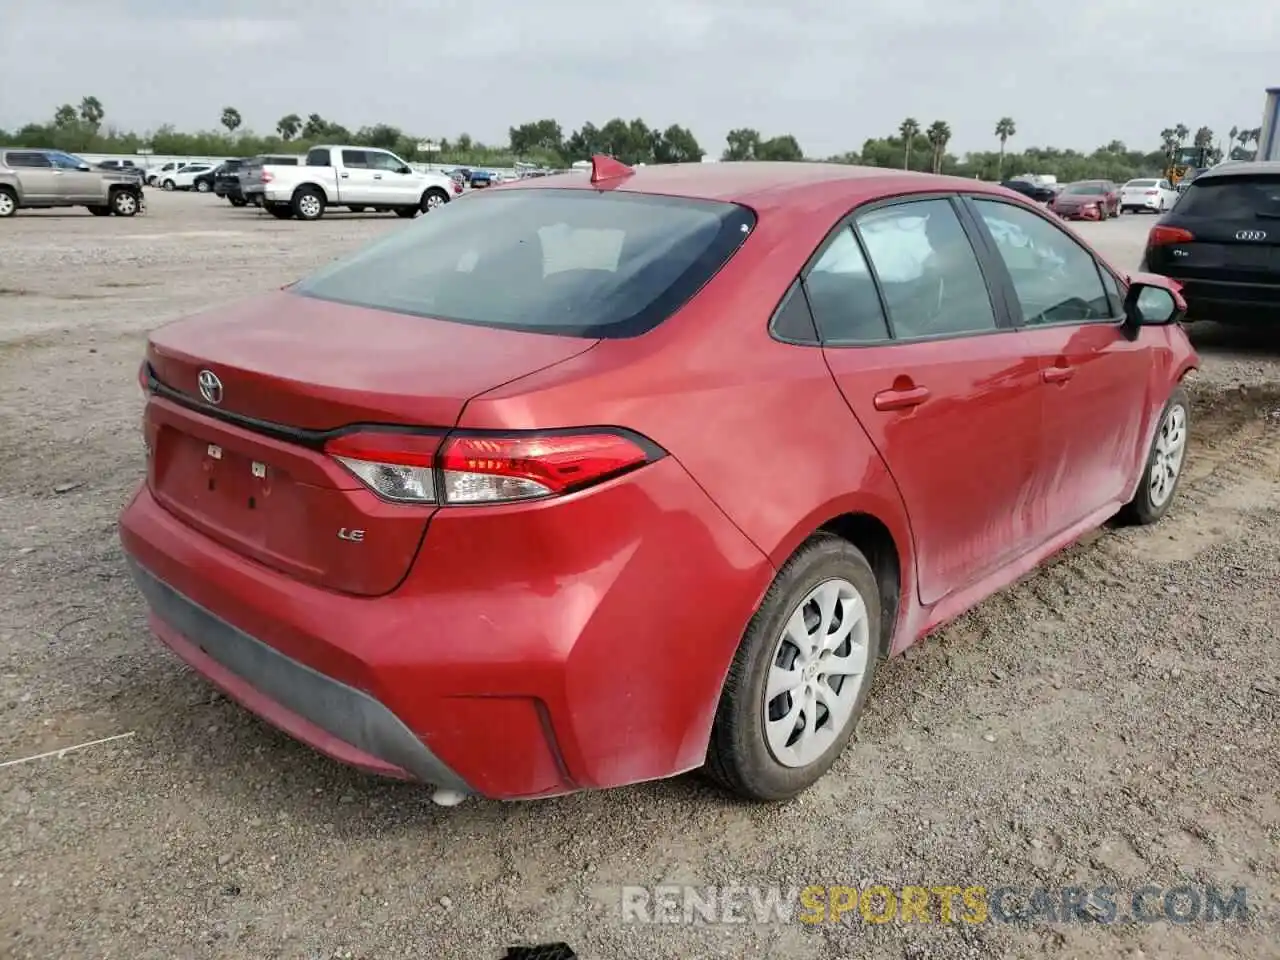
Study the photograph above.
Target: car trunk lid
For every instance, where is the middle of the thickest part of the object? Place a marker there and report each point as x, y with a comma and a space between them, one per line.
244, 463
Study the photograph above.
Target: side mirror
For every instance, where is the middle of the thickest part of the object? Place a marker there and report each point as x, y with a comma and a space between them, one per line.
1148, 305
405, 169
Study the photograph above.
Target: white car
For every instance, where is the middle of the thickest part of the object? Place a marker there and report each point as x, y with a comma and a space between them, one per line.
1154, 195
185, 177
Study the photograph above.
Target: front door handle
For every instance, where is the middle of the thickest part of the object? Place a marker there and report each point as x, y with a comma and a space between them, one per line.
377, 176
901, 399
1057, 374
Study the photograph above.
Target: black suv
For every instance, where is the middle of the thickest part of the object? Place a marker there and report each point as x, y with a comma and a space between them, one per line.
1221, 241
226, 181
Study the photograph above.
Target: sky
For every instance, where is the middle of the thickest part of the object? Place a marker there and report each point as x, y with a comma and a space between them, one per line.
1071, 73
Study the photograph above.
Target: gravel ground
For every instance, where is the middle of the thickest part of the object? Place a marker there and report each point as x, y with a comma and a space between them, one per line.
1110, 721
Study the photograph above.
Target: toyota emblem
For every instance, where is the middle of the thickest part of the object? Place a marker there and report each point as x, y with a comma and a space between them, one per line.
210, 386
1251, 234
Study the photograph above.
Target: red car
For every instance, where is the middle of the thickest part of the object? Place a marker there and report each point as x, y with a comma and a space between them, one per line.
593, 480
1087, 200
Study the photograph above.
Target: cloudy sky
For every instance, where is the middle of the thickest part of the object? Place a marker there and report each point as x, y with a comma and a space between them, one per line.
1071, 73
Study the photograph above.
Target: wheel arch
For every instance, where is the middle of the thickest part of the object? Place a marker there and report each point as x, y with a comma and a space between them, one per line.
311, 185
879, 528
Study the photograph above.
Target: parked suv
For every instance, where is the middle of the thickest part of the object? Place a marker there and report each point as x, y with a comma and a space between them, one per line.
50, 178
226, 181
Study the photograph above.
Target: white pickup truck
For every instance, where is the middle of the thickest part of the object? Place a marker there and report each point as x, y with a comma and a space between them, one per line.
358, 178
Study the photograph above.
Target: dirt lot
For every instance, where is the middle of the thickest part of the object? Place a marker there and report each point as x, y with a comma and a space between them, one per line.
1111, 721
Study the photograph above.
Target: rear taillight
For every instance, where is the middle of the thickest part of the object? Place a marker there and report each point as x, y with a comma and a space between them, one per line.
265, 176
1162, 236
478, 469
144, 377
395, 466
457, 187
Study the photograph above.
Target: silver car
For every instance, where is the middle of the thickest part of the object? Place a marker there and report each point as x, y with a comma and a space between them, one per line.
33, 179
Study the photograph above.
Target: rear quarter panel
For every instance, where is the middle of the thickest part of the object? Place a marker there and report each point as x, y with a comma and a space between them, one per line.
760, 425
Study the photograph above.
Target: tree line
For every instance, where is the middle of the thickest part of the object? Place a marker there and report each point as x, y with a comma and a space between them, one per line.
912, 146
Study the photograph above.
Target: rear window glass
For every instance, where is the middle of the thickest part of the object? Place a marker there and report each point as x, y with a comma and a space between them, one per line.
1232, 198
1141, 183
570, 262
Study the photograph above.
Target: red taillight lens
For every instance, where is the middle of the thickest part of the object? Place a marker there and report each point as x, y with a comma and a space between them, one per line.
1162, 236
395, 466
494, 469
457, 187
416, 468
266, 177
144, 377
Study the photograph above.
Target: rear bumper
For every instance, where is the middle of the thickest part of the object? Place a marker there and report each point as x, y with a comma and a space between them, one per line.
1233, 303
339, 721
532, 650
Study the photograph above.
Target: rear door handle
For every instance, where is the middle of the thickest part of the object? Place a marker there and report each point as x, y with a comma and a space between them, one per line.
1057, 374
901, 399
344, 176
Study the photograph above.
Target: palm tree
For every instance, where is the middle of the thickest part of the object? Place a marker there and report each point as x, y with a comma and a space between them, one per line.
288, 126
231, 118
909, 129
1004, 130
938, 134
91, 111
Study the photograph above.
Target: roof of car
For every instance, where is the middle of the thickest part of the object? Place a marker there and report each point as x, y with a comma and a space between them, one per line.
760, 183
1241, 168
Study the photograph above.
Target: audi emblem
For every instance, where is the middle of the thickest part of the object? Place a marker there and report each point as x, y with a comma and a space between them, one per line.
210, 387
1251, 234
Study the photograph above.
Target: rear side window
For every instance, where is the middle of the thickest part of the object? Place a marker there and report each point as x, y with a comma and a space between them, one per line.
568, 262
928, 271
318, 158
1232, 198
354, 158
28, 159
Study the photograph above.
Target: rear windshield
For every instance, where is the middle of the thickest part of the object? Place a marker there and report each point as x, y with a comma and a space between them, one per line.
1142, 183
570, 262
1233, 198
1084, 189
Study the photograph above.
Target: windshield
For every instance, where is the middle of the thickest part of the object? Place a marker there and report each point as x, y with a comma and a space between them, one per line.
1084, 189
1232, 198
570, 262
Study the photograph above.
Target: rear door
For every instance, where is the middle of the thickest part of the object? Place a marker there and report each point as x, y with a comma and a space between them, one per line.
356, 183
36, 175
1095, 380
1234, 226
927, 361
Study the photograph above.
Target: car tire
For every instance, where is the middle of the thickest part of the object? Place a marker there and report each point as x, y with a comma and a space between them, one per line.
408, 213
765, 764
8, 203
308, 203
125, 203
98, 211
237, 201
169, 185
356, 209
281, 211
201, 187
433, 199
1166, 462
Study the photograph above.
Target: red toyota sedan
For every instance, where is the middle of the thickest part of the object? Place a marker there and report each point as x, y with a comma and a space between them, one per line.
594, 480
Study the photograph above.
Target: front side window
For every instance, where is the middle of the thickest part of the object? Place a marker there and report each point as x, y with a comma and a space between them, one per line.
1055, 279
842, 294
383, 161
928, 271
64, 161
569, 262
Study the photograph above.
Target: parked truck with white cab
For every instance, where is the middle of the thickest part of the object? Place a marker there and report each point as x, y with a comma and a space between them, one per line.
358, 178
